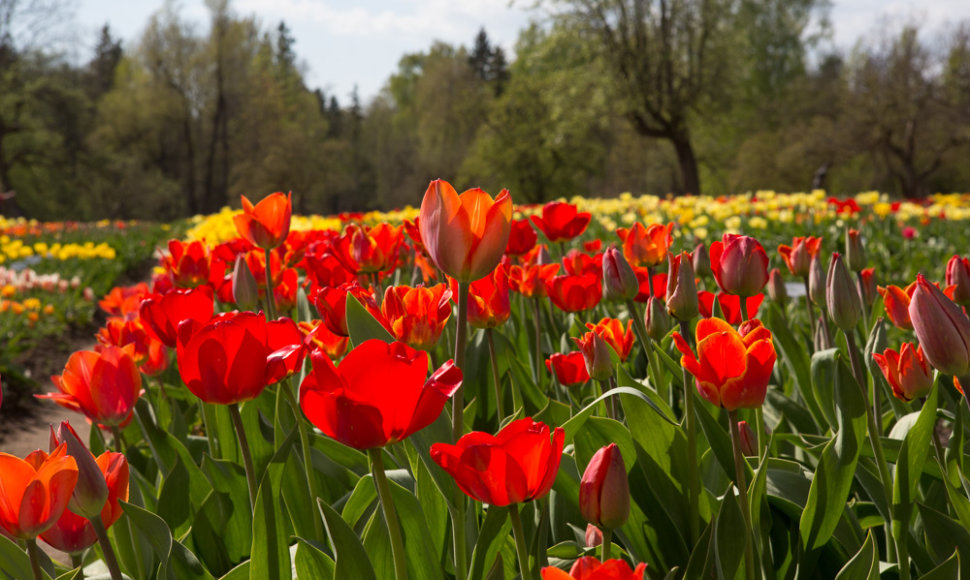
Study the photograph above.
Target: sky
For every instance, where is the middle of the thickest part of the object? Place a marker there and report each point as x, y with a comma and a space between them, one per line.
357, 43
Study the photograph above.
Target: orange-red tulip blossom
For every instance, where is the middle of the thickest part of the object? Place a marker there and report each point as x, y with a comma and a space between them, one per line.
465, 235
646, 246
798, 256
34, 492
104, 385
561, 221
896, 302
590, 568
907, 371
267, 223
732, 367
162, 313
227, 360
570, 369
575, 293
379, 394
416, 316
518, 464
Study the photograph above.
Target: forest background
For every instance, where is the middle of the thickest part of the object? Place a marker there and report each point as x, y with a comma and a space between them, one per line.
601, 97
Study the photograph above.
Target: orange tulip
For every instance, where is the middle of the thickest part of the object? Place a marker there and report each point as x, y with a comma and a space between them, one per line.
907, 371
465, 235
103, 385
896, 301
267, 223
417, 316
488, 299
645, 246
530, 281
731, 368
35, 491
320, 336
611, 330
363, 250
798, 256
590, 568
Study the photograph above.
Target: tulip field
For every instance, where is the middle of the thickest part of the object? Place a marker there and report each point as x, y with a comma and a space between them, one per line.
760, 386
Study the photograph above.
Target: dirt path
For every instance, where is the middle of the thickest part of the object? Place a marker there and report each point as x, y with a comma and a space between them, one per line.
31, 430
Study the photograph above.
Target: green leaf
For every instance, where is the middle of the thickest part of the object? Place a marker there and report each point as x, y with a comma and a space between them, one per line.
730, 536
950, 568
493, 535
351, 560
864, 565
944, 535
14, 562
270, 551
362, 325
177, 562
718, 439
909, 466
312, 562
836, 468
825, 367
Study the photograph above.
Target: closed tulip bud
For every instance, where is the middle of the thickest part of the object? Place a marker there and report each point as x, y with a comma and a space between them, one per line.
604, 491
776, 287
942, 328
596, 353
740, 265
91, 490
842, 295
868, 276
855, 251
958, 280
816, 281
594, 536
748, 440
245, 291
619, 280
701, 261
681, 288
656, 319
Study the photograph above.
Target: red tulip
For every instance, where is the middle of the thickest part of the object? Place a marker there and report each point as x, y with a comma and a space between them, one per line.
522, 238
958, 280
417, 316
35, 491
465, 235
906, 371
570, 369
104, 385
187, 263
365, 249
561, 221
729, 304
124, 300
604, 490
331, 303
574, 293
798, 256
73, 533
868, 276
577, 263
611, 330
942, 328
149, 353
589, 568
323, 269
530, 281
731, 368
162, 314
378, 394
266, 224
516, 465
896, 301
646, 246
488, 299
226, 360
740, 265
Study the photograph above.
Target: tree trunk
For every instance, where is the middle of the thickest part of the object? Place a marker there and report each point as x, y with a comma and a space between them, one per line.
690, 178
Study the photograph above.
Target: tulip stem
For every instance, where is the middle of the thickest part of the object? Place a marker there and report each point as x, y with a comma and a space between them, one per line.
607, 542
740, 480
390, 514
117, 441
461, 339
237, 423
645, 341
34, 552
874, 431
808, 306
489, 335
270, 296
305, 448
693, 478
459, 541
520, 546
109, 554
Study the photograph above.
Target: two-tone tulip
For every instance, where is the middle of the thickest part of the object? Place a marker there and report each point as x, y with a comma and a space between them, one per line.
681, 288
740, 265
645, 246
798, 256
958, 280
604, 490
942, 328
619, 280
596, 352
266, 224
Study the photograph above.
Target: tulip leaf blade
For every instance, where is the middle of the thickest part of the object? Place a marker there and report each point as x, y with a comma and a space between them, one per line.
495, 531
909, 465
311, 561
176, 561
837, 464
864, 565
729, 537
14, 562
944, 535
950, 568
351, 560
362, 325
